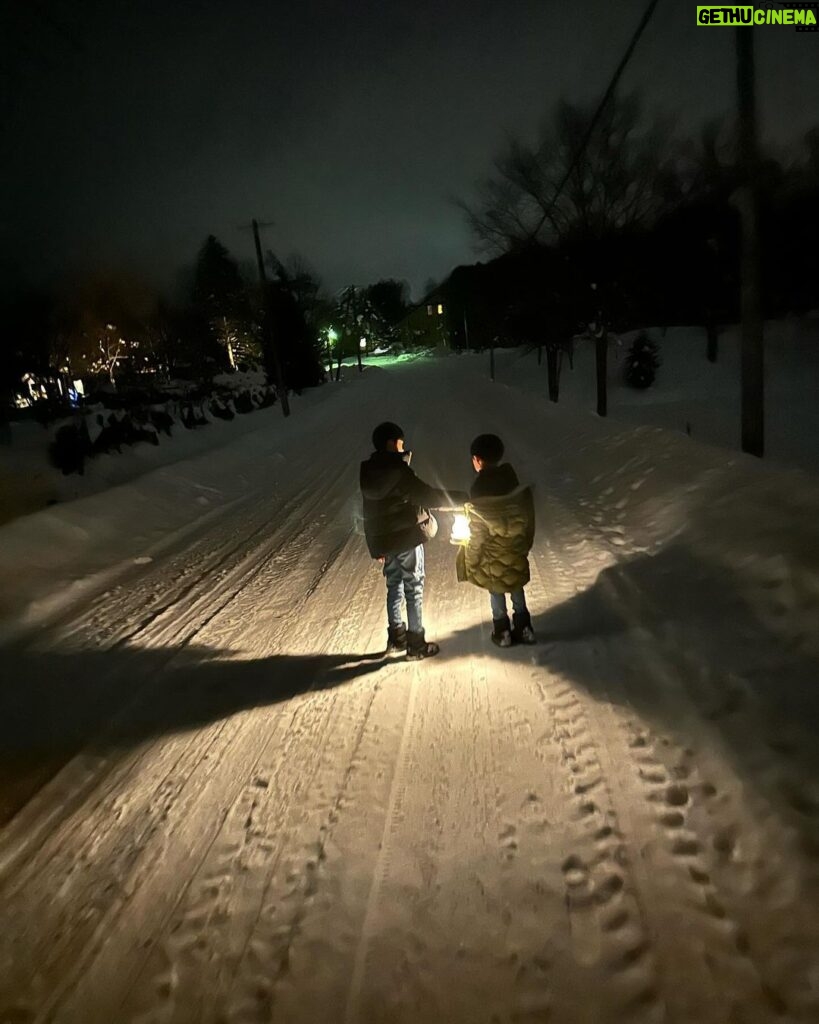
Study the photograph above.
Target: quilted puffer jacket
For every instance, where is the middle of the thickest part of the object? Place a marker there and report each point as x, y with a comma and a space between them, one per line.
502, 529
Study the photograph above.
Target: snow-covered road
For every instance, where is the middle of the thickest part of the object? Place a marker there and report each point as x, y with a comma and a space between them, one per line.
220, 803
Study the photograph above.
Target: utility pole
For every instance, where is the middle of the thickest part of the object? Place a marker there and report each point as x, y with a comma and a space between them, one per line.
601, 355
753, 343
268, 326
601, 352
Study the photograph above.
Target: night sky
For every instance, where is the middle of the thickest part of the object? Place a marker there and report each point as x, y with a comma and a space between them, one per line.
137, 128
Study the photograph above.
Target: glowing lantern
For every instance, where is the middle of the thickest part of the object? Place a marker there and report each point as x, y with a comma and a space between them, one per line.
460, 529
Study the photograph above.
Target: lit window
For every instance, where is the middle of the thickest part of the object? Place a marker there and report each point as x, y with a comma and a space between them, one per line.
430, 310
440, 309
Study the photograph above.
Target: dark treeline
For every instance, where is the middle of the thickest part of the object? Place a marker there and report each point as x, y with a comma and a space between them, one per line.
645, 232
112, 328
113, 331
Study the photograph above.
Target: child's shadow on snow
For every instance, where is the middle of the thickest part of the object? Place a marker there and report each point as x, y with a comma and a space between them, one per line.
62, 703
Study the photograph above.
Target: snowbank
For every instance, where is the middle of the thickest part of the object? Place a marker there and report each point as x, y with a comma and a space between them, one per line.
693, 396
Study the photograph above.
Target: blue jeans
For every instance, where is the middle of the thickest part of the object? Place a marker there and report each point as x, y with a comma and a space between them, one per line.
404, 574
498, 603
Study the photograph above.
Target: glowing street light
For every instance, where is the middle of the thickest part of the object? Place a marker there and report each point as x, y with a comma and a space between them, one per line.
332, 338
362, 344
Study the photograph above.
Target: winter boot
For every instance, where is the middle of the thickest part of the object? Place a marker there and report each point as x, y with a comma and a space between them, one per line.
501, 632
522, 632
396, 639
419, 647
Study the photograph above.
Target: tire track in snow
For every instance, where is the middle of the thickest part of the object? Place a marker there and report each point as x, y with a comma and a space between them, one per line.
268, 858
454, 924
201, 602
401, 943
352, 1009
34, 825
94, 832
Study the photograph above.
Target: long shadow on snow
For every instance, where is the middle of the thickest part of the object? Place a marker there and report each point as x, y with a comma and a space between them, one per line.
52, 705
733, 651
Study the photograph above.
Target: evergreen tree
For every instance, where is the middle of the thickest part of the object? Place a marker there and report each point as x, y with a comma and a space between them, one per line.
642, 362
296, 340
388, 299
220, 296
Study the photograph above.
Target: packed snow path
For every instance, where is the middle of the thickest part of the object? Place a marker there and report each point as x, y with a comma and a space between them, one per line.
221, 804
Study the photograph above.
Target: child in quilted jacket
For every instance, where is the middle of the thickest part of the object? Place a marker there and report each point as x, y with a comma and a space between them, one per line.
502, 529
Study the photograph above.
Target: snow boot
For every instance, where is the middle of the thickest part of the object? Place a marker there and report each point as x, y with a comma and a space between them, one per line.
522, 632
419, 647
396, 639
501, 632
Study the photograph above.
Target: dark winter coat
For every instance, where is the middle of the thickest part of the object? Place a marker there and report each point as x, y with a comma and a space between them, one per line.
502, 529
396, 504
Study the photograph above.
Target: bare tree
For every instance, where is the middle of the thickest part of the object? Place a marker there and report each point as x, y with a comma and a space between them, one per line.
619, 179
104, 321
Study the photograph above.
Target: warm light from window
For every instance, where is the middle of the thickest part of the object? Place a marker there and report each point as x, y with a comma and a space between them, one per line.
440, 309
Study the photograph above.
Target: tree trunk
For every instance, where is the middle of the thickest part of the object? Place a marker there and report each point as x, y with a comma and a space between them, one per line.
268, 330
553, 371
752, 359
601, 348
712, 334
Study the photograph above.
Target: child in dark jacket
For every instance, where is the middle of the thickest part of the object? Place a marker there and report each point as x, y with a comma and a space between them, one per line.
397, 524
502, 529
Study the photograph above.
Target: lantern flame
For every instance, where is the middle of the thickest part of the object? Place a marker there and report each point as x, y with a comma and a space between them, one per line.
460, 529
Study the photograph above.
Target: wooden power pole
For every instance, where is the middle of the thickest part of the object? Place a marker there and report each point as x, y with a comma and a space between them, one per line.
268, 326
753, 345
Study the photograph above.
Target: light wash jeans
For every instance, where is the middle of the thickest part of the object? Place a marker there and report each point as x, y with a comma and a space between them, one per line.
404, 574
498, 602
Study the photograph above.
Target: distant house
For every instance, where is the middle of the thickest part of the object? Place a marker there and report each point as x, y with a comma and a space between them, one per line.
426, 324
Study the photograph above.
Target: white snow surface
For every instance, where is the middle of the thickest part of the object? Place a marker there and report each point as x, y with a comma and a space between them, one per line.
691, 395
221, 804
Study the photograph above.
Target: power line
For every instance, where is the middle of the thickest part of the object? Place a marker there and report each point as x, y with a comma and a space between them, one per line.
57, 26
597, 114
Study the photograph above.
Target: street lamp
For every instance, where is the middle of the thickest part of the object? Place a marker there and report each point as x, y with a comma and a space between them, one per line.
362, 344
332, 338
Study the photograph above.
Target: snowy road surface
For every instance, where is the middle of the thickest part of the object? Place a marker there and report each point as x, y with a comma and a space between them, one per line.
220, 804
